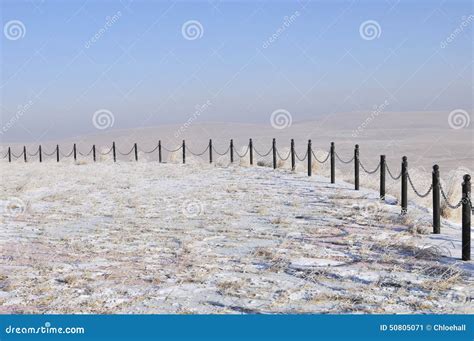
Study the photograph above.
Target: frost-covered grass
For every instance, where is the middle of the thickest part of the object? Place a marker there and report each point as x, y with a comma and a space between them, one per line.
171, 238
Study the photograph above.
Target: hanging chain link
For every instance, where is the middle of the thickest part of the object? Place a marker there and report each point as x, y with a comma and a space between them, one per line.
348, 161
17, 157
49, 154
126, 154
391, 175
263, 155
416, 191
445, 197
198, 154
224, 153
283, 159
151, 151
369, 172
304, 157
243, 155
172, 150
111, 148
5, 156
82, 154
37, 152
316, 158
68, 155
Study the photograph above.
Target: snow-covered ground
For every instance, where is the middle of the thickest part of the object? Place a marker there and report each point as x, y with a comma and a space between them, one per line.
197, 238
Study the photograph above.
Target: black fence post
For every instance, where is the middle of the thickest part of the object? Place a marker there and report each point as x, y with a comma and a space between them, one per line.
231, 151
184, 151
466, 218
136, 152
333, 163
24, 153
274, 154
404, 185
356, 167
210, 150
9, 154
310, 161
293, 161
75, 151
113, 151
251, 151
93, 152
57, 153
40, 154
382, 177
159, 151
436, 201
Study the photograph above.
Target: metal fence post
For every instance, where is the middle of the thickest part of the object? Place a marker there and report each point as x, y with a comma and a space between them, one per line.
57, 153
404, 185
356, 167
436, 201
333, 163
159, 151
9, 154
113, 150
310, 161
40, 153
293, 161
466, 218
24, 153
210, 150
274, 154
184, 152
136, 152
231, 151
93, 152
251, 151
382, 177
75, 152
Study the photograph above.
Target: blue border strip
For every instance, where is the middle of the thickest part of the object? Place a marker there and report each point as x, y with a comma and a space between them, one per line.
239, 327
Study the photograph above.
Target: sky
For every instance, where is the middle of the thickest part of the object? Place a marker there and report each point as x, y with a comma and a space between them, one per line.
78, 67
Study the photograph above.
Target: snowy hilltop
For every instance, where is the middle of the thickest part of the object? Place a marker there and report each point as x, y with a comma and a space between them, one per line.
144, 237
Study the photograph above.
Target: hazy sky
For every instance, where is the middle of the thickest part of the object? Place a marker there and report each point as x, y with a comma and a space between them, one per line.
63, 61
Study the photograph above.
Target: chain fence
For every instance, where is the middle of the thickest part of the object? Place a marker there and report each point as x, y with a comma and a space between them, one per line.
330, 155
